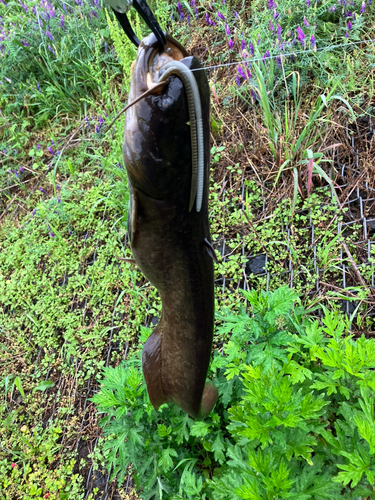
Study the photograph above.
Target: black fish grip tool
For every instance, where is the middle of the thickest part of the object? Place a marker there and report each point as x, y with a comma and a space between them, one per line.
121, 7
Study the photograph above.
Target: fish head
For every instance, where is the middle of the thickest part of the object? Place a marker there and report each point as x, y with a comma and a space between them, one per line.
157, 141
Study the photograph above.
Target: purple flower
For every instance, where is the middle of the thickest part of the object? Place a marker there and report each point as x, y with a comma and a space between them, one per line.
349, 25
87, 121
16, 174
240, 72
363, 8
51, 49
230, 43
51, 150
278, 31
42, 190
62, 21
346, 34
308, 3
34, 212
188, 19
238, 81
38, 86
21, 170
271, 4
38, 146
51, 234
243, 44
312, 40
99, 126
49, 35
301, 35
208, 20
305, 22
58, 200
266, 56
179, 6
220, 16
251, 47
275, 14
235, 14
259, 39
272, 27
278, 60
227, 30
3, 3
255, 95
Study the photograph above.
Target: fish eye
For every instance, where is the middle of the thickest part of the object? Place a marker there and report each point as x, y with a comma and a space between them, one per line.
166, 101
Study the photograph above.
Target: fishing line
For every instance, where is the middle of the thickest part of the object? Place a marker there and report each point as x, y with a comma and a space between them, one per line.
294, 53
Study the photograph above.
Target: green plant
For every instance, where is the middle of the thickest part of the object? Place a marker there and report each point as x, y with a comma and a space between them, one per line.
26, 455
295, 398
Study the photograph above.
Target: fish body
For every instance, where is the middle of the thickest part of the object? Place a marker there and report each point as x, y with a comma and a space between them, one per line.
171, 244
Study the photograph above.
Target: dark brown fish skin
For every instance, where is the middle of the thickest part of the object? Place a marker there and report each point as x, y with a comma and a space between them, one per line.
168, 240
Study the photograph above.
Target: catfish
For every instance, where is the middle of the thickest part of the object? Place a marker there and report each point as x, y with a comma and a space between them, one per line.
168, 226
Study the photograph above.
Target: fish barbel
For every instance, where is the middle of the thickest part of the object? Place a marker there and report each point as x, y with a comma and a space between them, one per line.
168, 224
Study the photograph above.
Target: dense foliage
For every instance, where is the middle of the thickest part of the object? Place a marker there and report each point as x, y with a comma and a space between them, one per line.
295, 416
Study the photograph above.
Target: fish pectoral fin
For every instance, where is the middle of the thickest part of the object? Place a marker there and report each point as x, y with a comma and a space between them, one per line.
210, 249
125, 259
152, 364
134, 211
132, 214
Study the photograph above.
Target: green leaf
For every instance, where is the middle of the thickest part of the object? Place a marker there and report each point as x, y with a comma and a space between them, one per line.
43, 386
199, 429
165, 461
18, 384
218, 447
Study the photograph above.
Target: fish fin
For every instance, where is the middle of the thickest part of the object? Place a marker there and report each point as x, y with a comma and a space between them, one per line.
210, 249
209, 399
151, 364
134, 211
125, 259
132, 214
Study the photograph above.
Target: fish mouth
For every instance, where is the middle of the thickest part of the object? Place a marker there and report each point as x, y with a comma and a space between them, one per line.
148, 67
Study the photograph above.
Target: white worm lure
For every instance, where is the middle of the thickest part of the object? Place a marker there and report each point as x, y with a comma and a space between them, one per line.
196, 128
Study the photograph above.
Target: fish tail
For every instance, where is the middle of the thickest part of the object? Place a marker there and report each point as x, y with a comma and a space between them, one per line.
209, 399
151, 363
